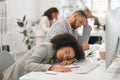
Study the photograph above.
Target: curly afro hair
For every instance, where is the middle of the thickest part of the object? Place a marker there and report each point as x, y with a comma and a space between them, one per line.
65, 40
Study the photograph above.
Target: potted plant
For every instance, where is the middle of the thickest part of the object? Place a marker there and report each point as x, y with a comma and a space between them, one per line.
26, 32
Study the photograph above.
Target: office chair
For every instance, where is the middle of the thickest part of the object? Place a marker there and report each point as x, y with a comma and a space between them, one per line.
5, 61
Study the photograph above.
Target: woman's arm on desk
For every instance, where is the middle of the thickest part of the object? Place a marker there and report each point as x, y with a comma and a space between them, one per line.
59, 69
39, 62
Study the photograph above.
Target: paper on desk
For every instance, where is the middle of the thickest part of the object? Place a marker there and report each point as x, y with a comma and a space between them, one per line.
72, 66
85, 67
91, 49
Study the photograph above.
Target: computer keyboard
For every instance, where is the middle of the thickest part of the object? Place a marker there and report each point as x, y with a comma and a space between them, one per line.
115, 66
91, 50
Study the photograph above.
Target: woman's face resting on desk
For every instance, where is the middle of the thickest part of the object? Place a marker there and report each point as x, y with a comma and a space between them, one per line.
67, 49
66, 55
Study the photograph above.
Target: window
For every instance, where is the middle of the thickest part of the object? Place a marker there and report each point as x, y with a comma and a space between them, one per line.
67, 7
98, 8
3, 22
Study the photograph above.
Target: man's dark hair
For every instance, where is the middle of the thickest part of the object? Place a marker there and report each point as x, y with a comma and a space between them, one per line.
65, 40
87, 10
49, 12
81, 13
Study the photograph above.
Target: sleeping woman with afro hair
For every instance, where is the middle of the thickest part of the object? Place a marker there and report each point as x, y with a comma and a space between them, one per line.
62, 47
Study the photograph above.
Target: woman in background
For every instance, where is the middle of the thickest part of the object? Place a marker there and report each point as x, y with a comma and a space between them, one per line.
62, 48
48, 18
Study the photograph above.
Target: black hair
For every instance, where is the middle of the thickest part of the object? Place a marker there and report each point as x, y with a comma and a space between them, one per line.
66, 39
81, 13
87, 10
49, 12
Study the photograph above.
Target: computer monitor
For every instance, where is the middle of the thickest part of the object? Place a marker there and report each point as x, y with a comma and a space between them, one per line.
112, 36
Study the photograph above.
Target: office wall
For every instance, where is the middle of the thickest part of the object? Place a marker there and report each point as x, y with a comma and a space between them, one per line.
17, 9
33, 9
45, 4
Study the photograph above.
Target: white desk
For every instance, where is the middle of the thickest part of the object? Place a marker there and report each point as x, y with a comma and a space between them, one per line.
98, 74
94, 32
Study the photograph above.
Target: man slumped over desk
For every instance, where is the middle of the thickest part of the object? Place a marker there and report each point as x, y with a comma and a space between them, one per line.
70, 25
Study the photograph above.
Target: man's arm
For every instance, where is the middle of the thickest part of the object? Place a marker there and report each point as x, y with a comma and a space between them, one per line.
85, 46
86, 35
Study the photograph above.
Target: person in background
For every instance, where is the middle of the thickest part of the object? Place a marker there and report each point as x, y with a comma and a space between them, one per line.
62, 48
93, 39
70, 25
48, 18
89, 15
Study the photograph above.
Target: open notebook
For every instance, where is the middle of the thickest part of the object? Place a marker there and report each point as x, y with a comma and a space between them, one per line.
83, 67
77, 68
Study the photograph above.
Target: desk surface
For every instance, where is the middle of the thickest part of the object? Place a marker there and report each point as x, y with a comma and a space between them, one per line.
94, 32
99, 73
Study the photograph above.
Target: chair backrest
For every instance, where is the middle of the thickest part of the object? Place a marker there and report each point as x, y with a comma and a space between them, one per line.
5, 61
